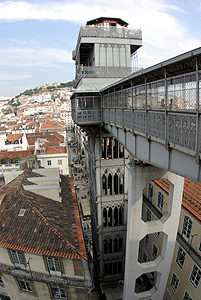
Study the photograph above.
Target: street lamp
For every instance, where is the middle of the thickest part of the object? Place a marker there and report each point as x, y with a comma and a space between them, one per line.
28, 263
192, 236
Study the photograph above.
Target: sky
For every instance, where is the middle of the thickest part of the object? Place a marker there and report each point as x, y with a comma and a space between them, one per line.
37, 37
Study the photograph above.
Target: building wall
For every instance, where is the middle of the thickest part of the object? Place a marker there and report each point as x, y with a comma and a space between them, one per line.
70, 268
55, 161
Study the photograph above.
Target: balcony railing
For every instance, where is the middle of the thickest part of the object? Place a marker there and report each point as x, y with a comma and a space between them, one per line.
87, 116
47, 278
109, 32
101, 72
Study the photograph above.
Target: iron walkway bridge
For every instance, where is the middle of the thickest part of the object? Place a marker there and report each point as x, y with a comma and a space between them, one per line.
154, 113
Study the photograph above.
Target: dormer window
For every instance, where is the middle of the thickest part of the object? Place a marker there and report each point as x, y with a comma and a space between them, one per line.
7, 142
17, 160
8, 161
42, 150
16, 142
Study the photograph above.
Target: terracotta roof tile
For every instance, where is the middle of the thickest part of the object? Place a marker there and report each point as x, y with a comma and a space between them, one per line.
54, 230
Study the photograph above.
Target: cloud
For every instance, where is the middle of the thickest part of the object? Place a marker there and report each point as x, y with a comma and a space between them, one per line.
14, 76
20, 57
164, 34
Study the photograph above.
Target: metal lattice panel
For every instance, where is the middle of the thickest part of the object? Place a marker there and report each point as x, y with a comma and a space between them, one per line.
112, 116
119, 117
156, 124
128, 119
140, 121
106, 115
182, 130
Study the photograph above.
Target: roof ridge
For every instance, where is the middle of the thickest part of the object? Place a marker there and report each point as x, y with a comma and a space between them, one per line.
52, 227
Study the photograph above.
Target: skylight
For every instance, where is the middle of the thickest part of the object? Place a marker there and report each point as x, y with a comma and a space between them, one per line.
21, 212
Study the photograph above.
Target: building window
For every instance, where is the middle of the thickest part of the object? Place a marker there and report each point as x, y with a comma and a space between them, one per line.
187, 227
58, 292
148, 214
195, 276
146, 240
187, 296
17, 160
17, 257
174, 282
1, 281
49, 162
59, 162
25, 286
157, 234
154, 250
54, 265
151, 192
8, 161
181, 257
160, 200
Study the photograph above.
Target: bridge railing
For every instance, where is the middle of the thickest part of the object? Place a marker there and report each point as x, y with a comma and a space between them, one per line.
166, 110
175, 129
178, 93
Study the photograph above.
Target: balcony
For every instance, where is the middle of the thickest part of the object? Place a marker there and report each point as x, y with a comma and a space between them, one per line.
101, 72
109, 32
87, 117
86, 110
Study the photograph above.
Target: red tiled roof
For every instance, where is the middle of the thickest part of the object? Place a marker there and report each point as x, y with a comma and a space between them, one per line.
15, 154
13, 137
54, 138
48, 227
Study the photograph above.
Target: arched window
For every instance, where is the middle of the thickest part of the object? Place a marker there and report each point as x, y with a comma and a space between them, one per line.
120, 243
110, 217
115, 267
104, 181
110, 184
119, 266
121, 184
121, 211
110, 245
105, 268
116, 245
105, 246
104, 217
116, 216
116, 186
